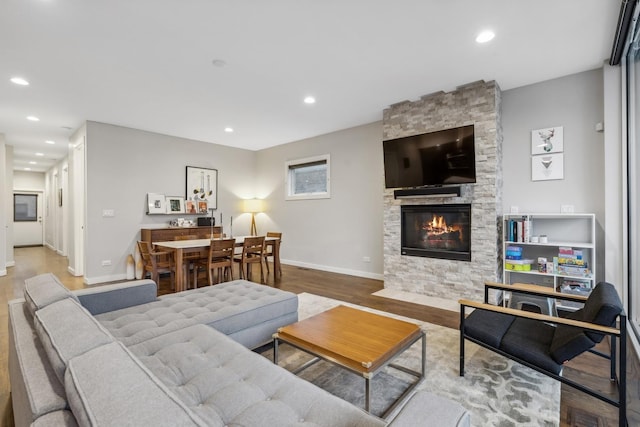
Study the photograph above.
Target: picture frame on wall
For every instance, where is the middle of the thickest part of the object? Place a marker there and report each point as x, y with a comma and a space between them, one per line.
156, 203
191, 207
202, 186
547, 167
175, 205
548, 140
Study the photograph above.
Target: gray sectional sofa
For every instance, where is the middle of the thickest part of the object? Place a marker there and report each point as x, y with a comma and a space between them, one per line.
117, 355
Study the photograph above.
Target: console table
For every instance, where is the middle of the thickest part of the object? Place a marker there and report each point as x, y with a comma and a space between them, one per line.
170, 233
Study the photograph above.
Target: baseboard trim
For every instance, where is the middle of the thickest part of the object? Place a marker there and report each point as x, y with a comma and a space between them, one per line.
3, 272
104, 279
11, 263
347, 271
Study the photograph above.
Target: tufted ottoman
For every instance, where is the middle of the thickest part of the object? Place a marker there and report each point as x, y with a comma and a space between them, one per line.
247, 312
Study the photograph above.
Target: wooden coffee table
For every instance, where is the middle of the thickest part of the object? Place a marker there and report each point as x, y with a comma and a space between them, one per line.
356, 340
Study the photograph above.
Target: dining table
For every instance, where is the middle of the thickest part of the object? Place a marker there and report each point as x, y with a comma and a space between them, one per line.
182, 247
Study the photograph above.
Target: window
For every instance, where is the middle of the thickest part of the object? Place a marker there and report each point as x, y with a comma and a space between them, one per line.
25, 207
632, 65
308, 178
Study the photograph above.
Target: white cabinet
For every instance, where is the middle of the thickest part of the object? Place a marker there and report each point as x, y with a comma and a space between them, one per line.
566, 241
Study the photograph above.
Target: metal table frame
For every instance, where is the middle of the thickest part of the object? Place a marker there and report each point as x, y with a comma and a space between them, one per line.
368, 376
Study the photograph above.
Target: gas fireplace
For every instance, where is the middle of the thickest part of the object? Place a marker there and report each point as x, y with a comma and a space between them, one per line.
437, 231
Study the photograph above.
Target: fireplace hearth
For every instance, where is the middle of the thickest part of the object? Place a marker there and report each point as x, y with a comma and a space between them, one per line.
437, 231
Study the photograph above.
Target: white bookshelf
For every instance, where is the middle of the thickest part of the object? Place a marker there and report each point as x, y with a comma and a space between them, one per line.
576, 231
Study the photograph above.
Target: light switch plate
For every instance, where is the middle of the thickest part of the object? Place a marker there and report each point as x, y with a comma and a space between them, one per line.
108, 213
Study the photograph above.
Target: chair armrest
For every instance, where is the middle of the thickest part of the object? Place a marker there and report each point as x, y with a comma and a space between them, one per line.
537, 316
530, 289
101, 299
424, 408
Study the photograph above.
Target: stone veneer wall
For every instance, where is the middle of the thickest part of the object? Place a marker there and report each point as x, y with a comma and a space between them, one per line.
477, 103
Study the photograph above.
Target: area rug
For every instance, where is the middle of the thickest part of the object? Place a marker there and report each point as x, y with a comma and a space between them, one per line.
497, 391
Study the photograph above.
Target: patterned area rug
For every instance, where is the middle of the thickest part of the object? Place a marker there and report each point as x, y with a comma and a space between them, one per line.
497, 391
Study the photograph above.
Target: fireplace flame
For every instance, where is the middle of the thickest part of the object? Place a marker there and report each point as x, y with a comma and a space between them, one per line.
437, 225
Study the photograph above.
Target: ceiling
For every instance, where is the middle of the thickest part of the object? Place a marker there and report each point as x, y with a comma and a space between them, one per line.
191, 68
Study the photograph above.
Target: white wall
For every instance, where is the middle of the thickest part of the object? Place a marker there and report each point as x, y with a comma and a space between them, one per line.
5, 187
329, 234
123, 165
32, 181
576, 103
9, 205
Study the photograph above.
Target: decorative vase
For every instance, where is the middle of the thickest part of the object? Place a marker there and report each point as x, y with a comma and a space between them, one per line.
137, 258
139, 269
130, 268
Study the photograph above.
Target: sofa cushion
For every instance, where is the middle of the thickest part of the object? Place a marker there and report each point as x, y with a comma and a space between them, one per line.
35, 389
63, 418
529, 340
44, 289
107, 386
602, 308
66, 329
218, 378
228, 307
487, 326
568, 342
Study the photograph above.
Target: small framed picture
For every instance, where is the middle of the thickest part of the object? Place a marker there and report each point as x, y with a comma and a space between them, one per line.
190, 207
175, 205
549, 140
549, 167
156, 203
202, 207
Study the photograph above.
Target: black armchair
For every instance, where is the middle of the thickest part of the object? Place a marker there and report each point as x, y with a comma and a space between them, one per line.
544, 342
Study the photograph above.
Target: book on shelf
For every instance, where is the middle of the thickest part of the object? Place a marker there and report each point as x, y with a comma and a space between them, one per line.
519, 230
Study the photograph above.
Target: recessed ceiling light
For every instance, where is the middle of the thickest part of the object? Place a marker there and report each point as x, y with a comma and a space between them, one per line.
33, 118
228, 129
27, 169
309, 100
48, 141
19, 81
485, 36
40, 154
33, 163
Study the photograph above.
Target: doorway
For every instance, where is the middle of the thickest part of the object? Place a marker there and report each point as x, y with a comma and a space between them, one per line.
28, 228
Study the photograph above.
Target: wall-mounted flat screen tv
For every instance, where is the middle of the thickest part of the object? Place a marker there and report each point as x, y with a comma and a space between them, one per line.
435, 158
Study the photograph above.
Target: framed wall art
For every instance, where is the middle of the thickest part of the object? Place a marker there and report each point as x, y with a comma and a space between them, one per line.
202, 186
156, 203
175, 205
547, 167
549, 140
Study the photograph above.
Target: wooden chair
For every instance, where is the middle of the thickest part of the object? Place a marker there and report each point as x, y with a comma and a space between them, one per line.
220, 258
189, 259
156, 262
252, 253
269, 251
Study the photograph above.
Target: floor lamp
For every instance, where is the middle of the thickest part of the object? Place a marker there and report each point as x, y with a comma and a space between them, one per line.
253, 206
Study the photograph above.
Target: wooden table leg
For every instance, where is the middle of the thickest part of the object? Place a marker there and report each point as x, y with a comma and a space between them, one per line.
179, 278
276, 259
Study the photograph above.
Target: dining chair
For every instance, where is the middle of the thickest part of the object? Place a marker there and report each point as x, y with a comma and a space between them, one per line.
190, 258
269, 251
220, 258
156, 262
252, 253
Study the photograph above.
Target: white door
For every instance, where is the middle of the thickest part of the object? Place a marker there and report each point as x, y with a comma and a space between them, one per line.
27, 218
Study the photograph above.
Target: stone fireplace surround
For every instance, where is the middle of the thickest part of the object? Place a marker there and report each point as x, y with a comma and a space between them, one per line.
477, 103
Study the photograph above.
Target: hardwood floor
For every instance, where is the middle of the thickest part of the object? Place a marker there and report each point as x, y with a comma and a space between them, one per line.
584, 410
